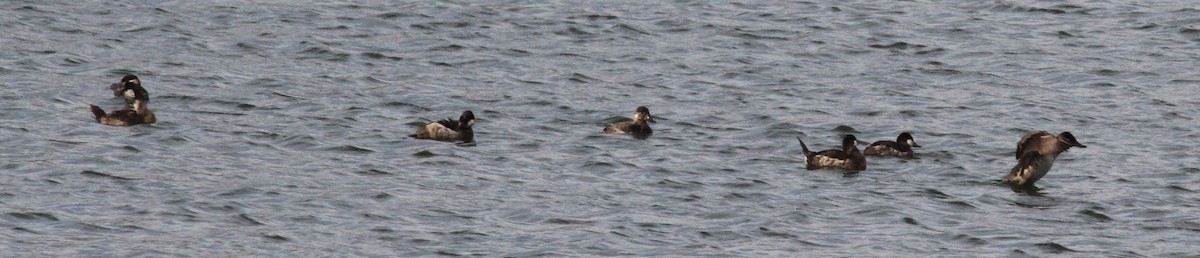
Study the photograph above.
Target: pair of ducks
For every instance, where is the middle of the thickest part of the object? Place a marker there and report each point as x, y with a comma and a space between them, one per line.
850, 158
130, 88
460, 130
1036, 152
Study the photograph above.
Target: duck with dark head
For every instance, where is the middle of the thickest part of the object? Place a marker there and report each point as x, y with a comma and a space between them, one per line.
138, 114
639, 127
1036, 153
902, 147
846, 158
449, 129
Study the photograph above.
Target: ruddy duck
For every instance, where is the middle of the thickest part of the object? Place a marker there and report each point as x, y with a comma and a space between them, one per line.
124, 89
847, 158
449, 129
640, 126
1035, 155
139, 114
902, 147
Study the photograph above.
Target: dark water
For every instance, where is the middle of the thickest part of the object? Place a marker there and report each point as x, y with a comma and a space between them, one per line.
283, 128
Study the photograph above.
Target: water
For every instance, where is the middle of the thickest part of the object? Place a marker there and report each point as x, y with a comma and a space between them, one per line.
283, 128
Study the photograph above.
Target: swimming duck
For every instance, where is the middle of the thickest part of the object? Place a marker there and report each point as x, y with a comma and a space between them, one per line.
449, 129
1035, 155
138, 114
124, 88
640, 126
902, 147
846, 158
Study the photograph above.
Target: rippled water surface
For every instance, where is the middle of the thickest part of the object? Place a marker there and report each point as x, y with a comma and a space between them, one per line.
283, 128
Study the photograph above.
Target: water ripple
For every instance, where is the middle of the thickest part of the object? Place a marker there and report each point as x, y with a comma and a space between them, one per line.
287, 123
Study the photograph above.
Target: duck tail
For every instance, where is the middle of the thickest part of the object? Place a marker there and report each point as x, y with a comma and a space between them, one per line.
99, 113
804, 147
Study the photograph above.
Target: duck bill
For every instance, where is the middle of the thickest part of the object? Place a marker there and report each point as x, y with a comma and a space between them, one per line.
1071, 143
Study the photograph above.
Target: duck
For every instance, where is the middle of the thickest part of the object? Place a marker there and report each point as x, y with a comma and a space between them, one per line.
640, 126
139, 113
1036, 153
449, 129
902, 147
124, 88
848, 157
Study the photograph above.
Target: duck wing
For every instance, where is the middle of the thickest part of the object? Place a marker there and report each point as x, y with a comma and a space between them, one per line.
837, 154
1029, 142
449, 123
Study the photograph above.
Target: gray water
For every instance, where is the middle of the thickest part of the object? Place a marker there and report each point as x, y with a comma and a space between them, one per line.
283, 128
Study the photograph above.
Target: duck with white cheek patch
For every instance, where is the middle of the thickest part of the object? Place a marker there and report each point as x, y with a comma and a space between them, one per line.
848, 157
902, 147
639, 127
139, 114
